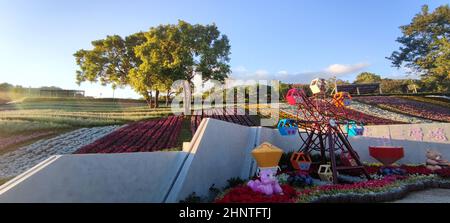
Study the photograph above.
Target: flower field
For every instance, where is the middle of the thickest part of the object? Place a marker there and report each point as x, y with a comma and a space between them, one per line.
143, 136
5, 142
290, 112
437, 100
18, 161
383, 113
381, 188
226, 114
411, 107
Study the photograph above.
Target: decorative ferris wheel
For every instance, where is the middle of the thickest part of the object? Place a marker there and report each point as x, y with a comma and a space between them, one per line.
319, 121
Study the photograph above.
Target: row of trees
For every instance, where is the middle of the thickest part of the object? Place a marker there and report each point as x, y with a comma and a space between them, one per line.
151, 61
387, 85
20, 89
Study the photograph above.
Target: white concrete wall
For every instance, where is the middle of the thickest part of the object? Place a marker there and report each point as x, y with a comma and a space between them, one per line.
218, 151
125, 177
382, 135
415, 145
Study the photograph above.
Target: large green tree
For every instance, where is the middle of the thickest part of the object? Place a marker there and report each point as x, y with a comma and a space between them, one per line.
175, 51
367, 77
425, 47
110, 60
151, 61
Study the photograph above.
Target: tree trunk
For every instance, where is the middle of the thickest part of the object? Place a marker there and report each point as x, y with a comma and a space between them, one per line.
167, 98
148, 99
156, 99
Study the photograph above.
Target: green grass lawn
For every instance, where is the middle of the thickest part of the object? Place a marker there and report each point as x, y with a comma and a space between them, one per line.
60, 115
51, 114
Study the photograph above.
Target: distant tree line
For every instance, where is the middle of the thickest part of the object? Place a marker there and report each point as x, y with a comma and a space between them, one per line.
7, 87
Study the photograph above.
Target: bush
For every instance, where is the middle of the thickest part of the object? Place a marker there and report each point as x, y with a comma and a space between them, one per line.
233, 182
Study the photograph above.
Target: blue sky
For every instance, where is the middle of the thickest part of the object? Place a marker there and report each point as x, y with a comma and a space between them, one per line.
287, 40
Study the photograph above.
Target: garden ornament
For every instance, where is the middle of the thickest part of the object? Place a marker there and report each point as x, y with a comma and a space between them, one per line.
435, 161
267, 184
267, 157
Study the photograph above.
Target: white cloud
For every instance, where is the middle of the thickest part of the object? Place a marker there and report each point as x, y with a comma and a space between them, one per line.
341, 69
239, 69
282, 72
241, 73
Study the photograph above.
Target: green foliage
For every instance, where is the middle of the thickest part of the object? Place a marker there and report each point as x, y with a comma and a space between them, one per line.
342, 82
192, 198
6, 86
233, 182
285, 161
173, 52
366, 78
151, 61
425, 47
393, 86
109, 61
41, 114
283, 89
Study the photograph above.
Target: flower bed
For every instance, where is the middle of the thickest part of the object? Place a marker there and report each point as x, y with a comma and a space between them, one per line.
18, 161
431, 100
351, 114
226, 114
142, 136
381, 188
12, 140
243, 194
374, 191
409, 107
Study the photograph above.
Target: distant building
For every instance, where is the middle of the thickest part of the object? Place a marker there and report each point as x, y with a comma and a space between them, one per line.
358, 89
60, 93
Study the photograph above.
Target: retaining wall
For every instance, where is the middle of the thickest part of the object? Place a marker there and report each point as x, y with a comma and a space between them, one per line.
218, 151
126, 177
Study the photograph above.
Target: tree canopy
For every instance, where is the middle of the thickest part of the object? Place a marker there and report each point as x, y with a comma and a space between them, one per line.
151, 61
367, 77
110, 60
425, 47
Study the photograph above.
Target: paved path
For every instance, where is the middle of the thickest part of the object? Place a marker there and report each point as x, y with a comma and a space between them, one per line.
427, 196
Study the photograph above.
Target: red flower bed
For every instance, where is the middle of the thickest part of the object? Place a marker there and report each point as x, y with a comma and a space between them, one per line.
409, 169
360, 185
416, 170
244, 194
141, 136
345, 113
227, 114
410, 107
368, 119
444, 173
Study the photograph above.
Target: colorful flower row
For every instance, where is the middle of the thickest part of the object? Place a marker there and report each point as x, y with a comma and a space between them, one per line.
410, 169
244, 194
226, 114
387, 187
5, 142
141, 136
349, 114
409, 107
